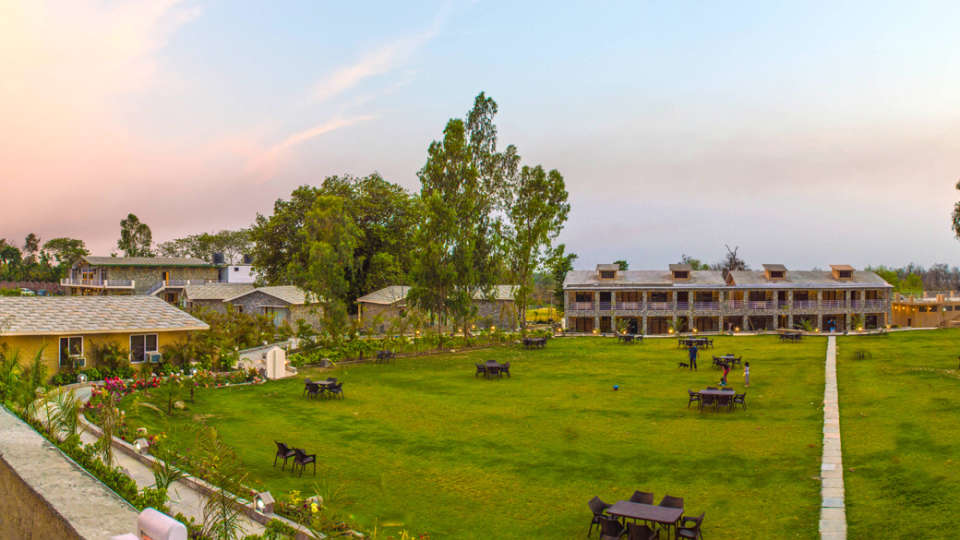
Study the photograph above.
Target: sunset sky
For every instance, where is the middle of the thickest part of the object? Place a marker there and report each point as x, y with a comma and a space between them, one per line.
810, 135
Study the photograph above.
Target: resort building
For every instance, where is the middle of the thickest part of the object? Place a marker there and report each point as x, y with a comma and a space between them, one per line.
282, 303
65, 330
681, 299
163, 276
378, 310
938, 311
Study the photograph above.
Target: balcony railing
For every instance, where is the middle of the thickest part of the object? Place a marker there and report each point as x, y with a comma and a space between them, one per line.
832, 304
683, 306
605, 306
659, 306
804, 304
633, 306
735, 304
98, 283
760, 304
875, 304
706, 306
581, 306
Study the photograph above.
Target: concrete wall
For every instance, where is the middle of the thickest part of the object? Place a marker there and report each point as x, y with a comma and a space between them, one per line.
28, 346
45, 495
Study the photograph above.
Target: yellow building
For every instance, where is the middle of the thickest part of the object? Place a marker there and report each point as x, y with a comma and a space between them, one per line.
64, 329
940, 311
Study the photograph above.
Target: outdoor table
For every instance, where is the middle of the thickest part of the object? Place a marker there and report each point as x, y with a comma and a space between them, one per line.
492, 367
626, 338
728, 359
716, 393
663, 515
534, 342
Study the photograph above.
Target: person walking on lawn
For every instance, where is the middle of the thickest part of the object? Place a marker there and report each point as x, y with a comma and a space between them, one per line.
693, 357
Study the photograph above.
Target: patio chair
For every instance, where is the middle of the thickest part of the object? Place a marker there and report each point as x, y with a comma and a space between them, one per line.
740, 399
642, 497
302, 459
670, 501
336, 389
283, 451
306, 384
690, 531
481, 370
598, 507
641, 532
313, 389
725, 401
707, 400
611, 528
505, 368
694, 397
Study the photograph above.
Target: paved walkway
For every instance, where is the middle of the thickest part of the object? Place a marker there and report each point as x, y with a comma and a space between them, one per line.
833, 514
184, 498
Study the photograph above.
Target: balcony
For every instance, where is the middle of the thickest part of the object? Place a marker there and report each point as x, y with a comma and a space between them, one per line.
735, 304
630, 306
683, 306
581, 306
804, 304
659, 306
706, 306
760, 304
875, 304
832, 304
98, 283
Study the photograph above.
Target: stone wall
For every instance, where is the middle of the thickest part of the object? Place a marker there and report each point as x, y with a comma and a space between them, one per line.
45, 495
145, 277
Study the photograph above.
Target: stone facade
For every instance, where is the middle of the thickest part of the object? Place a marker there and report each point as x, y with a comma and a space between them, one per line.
144, 278
260, 303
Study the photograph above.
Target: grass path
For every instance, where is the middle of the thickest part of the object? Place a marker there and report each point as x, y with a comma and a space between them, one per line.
424, 444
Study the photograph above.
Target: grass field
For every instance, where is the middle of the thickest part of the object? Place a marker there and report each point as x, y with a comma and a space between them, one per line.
425, 444
900, 423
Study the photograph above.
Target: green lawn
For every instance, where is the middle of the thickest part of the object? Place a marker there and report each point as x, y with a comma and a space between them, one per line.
424, 443
900, 423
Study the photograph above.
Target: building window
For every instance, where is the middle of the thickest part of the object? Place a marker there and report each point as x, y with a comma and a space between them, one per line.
608, 274
844, 274
141, 345
681, 274
71, 351
776, 274
583, 297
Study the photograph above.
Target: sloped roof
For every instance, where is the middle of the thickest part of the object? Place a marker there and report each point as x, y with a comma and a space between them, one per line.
63, 315
806, 278
681, 267
216, 291
775, 267
290, 294
643, 278
144, 261
395, 293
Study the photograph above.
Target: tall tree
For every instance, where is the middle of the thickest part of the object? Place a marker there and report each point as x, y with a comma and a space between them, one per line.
464, 189
731, 261
559, 263
31, 245
622, 264
66, 251
136, 240
955, 217
538, 211
232, 244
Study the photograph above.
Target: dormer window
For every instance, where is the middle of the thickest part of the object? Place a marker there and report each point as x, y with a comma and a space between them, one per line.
842, 271
608, 274
680, 271
681, 274
844, 274
775, 271
607, 271
776, 275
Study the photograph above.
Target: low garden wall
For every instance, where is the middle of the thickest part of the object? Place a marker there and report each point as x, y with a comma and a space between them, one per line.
46, 495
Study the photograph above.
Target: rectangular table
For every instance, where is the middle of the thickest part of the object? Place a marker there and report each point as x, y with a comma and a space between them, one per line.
716, 394
663, 515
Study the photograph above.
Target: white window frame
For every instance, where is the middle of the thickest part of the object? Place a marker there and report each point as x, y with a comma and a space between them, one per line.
145, 351
72, 357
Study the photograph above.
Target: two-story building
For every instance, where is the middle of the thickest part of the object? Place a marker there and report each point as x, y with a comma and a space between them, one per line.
164, 277
608, 299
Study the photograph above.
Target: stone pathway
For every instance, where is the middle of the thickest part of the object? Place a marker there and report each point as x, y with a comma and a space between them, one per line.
833, 514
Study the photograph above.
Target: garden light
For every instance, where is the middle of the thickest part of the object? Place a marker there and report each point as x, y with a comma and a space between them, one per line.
736, 328
263, 502
82, 378
141, 445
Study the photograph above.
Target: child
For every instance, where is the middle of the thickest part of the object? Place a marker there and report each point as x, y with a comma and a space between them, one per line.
746, 374
726, 369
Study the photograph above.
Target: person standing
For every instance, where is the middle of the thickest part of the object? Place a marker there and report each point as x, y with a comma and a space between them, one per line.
746, 374
693, 357
726, 370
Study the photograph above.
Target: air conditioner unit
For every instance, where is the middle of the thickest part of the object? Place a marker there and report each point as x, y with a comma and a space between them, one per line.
154, 357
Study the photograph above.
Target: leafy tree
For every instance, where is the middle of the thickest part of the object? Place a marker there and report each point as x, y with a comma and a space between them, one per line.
695, 264
136, 240
464, 187
955, 217
559, 264
731, 261
66, 251
538, 211
31, 245
624, 265
277, 242
232, 244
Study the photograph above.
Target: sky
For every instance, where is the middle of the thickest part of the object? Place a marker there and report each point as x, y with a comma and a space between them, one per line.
804, 133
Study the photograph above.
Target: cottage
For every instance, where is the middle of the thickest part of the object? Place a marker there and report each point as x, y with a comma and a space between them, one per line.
161, 276
377, 310
283, 303
65, 329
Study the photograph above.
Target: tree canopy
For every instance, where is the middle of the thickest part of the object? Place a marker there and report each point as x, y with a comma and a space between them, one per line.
136, 240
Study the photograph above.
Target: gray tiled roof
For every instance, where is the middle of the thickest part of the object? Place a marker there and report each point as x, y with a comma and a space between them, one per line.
396, 293
58, 315
290, 294
144, 261
216, 291
814, 279
646, 278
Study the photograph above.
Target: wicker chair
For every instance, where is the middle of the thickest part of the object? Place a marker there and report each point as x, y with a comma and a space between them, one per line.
313, 389
611, 528
672, 502
283, 451
641, 532
306, 385
694, 397
690, 531
707, 400
302, 459
642, 497
598, 507
740, 399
